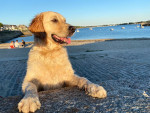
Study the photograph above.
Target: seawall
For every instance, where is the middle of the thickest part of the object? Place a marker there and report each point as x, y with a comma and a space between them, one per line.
8, 35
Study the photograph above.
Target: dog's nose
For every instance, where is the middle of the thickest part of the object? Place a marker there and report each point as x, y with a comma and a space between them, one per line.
72, 28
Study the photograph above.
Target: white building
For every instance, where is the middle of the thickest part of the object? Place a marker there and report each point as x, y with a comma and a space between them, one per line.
10, 27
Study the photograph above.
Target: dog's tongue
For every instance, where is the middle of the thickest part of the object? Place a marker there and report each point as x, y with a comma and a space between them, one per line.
67, 40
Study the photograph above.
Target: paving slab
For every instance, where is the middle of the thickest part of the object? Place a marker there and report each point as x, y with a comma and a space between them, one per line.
121, 67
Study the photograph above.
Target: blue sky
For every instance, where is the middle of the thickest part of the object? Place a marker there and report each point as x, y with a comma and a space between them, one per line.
77, 12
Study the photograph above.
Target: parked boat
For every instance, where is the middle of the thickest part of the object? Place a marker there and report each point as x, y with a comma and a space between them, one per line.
141, 26
111, 29
91, 28
77, 30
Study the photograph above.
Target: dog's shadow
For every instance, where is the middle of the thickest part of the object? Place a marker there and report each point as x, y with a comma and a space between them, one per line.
45, 87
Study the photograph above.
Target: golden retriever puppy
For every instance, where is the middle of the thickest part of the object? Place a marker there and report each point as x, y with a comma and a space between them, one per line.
48, 66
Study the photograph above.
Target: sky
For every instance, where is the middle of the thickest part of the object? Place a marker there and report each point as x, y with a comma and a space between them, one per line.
76, 12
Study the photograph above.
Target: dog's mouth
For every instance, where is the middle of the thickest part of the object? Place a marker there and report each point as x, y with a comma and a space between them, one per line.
61, 40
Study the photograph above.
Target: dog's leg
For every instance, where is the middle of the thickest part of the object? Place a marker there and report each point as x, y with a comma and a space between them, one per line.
92, 89
30, 102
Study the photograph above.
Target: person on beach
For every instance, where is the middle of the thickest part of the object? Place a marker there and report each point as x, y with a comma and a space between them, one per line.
12, 44
23, 43
17, 44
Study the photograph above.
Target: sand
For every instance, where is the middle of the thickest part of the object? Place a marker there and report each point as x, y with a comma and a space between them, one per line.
73, 42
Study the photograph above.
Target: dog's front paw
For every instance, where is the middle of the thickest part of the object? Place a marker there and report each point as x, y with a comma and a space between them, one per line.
29, 104
96, 91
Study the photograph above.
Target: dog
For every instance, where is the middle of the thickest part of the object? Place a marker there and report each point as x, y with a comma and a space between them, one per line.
48, 66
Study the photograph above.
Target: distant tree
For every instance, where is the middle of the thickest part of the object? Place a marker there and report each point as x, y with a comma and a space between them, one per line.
1, 25
131, 22
148, 21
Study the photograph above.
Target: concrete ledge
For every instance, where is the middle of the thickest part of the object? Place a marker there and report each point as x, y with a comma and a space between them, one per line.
121, 67
72, 100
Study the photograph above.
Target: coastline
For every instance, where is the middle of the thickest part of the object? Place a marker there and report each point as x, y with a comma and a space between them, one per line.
75, 42
9, 35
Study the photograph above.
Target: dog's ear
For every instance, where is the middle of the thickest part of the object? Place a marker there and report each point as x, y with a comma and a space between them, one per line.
36, 27
37, 24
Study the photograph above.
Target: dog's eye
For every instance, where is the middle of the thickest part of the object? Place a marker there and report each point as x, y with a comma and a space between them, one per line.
55, 20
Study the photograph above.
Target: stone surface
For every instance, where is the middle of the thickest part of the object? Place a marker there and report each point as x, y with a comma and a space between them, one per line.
121, 67
72, 100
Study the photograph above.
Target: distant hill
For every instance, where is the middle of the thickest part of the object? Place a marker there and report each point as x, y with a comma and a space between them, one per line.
144, 23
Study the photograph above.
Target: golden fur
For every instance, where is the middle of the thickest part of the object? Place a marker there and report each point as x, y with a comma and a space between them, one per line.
48, 66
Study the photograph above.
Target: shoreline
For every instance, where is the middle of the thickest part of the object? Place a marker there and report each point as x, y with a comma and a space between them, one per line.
75, 42
9, 35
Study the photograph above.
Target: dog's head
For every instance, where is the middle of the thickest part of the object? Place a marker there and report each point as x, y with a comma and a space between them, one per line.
51, 26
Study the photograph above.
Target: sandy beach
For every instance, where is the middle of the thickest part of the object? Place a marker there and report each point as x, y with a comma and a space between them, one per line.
122, 67
73, 42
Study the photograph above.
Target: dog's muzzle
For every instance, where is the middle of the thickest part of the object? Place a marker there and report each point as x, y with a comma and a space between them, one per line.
62, 40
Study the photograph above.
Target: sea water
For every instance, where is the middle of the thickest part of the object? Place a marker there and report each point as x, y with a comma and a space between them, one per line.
109, 32
113, 32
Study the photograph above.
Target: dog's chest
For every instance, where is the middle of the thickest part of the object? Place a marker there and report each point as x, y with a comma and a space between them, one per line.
52, 68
